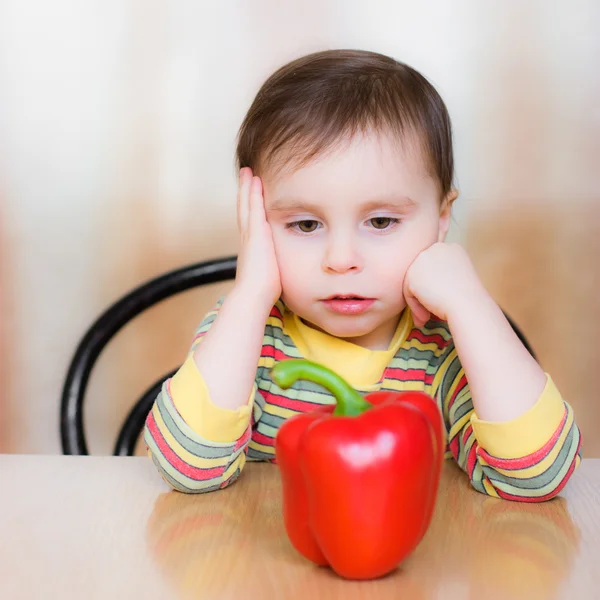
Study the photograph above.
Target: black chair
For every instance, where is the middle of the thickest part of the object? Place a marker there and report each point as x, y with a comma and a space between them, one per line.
108, 324
72, 431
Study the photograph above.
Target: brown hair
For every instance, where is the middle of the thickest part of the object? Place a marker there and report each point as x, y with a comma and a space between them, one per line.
308, 105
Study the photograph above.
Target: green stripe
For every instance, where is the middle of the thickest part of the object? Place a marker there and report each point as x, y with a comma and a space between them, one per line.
274, 422
462, 405
302, 391
465, 449
268, 430
411, 362
477, 479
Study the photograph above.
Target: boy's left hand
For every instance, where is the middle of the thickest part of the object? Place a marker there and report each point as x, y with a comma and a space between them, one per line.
440, 280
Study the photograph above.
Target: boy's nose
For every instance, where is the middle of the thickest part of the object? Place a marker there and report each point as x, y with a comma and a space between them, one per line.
342, 256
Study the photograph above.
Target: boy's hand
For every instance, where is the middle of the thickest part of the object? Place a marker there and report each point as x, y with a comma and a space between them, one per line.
257, 271
440, 281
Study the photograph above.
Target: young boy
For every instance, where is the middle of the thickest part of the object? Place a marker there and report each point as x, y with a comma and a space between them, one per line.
345, 198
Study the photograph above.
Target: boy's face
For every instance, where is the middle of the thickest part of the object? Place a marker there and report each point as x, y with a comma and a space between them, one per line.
349, 224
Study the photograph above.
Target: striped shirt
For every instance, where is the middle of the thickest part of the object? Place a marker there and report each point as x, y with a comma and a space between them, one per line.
199, 447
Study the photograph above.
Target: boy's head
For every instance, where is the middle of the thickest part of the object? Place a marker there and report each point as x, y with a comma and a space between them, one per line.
355, 153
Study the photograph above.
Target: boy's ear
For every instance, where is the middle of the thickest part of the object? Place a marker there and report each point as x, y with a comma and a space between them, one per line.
446, 214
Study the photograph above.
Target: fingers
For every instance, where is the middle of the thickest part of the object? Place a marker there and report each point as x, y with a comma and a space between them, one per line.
420, 314
251, 208
257, 215
243, 206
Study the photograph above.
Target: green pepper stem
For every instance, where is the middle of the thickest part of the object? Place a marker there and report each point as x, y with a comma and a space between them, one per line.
349, 403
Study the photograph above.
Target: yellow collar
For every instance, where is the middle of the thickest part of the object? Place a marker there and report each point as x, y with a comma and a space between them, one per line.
360, 367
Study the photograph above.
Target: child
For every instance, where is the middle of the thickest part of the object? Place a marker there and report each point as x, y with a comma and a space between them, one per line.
345, 199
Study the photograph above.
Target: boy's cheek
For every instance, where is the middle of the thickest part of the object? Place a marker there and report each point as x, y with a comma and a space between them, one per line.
291, 264
296, 281
284, 243
294, 271
391, 273
294, 257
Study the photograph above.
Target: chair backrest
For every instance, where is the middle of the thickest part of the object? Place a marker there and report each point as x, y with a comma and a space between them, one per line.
72, 430
109, 323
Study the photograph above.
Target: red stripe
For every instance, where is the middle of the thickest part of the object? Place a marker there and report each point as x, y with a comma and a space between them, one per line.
454, 448
409, 375
472, 460
467, 433
299, 406
462, 383
275, 312
271, 352
243, 440
432, 338
548, 496
178, 464
261, 438
530, 459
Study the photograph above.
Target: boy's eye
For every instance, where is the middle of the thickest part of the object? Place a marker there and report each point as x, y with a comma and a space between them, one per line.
382, 222
307, 226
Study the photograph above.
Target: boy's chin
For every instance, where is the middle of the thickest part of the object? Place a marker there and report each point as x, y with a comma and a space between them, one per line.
347, 327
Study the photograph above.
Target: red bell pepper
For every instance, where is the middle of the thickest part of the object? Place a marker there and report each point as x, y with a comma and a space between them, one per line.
359, 477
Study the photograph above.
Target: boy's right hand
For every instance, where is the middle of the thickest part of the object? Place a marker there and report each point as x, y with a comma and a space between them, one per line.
257, 270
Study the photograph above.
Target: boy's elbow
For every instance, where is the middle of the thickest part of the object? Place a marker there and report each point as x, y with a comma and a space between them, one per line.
191, 474
541, 487
208, 480
558, 484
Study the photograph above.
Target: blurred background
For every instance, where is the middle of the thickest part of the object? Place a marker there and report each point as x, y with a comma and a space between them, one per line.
117, 132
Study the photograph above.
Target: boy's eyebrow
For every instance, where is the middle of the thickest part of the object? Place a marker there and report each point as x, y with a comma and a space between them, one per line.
290, 204
390, 202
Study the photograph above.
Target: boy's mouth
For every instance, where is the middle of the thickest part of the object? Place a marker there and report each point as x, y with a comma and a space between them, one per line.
348, 304
345, 297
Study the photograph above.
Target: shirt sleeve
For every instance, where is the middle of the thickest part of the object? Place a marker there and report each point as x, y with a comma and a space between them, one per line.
527, 459
195, 445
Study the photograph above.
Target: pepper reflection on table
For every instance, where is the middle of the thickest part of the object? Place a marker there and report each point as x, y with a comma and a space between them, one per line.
515, 549
236, 544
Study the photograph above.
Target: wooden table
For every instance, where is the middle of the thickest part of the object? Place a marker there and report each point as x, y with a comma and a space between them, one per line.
104, 527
